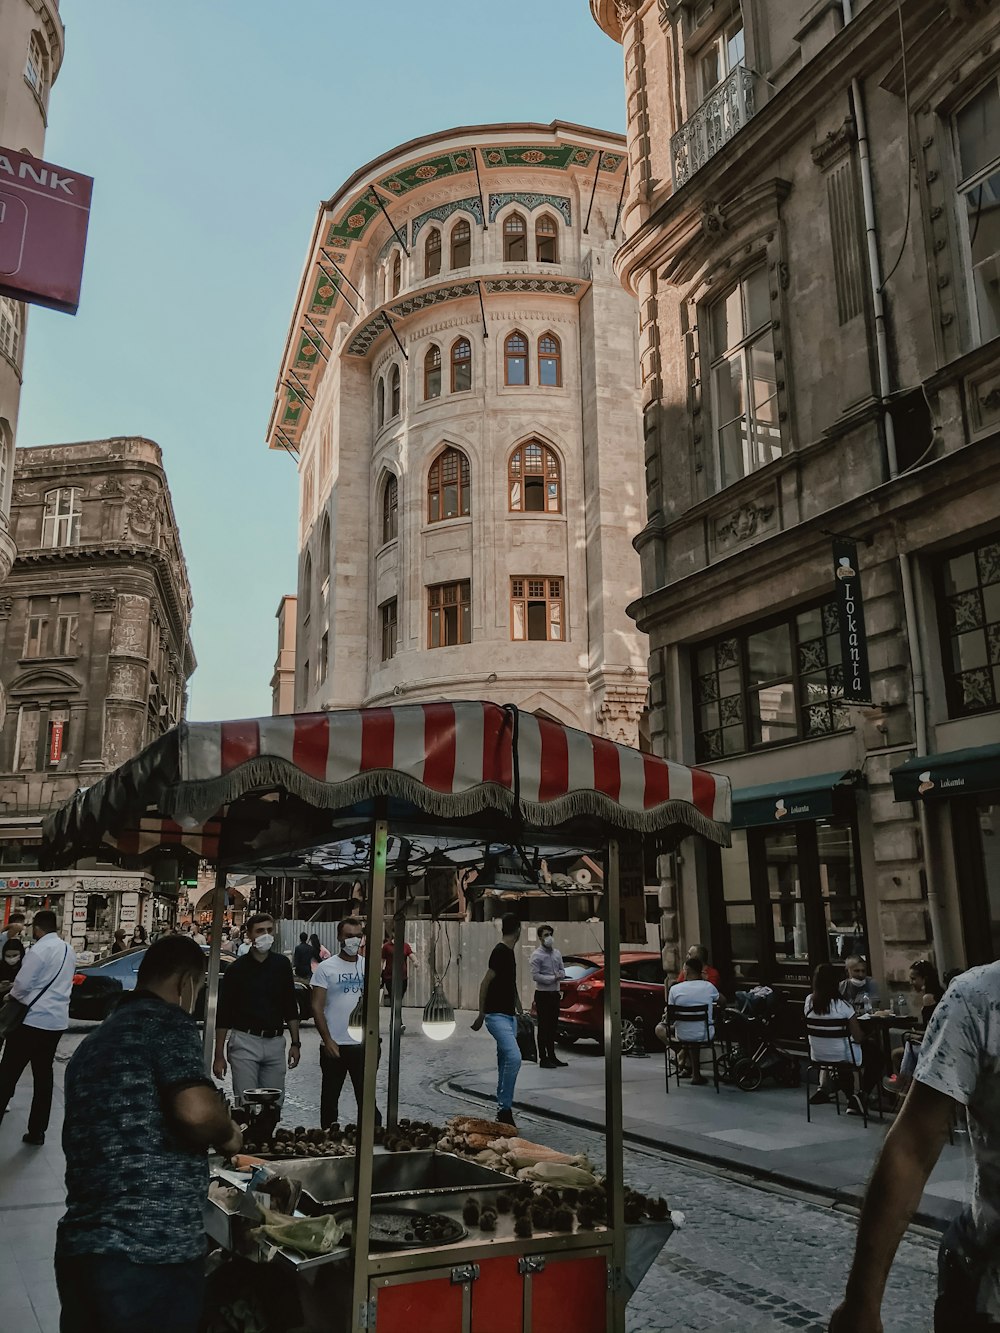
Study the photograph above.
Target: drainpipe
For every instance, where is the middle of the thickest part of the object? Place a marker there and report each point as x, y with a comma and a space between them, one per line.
911, 622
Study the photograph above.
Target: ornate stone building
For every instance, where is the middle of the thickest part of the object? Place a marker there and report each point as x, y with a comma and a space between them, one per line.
459, 385
31, 54
812, 237
95, 647
283, 679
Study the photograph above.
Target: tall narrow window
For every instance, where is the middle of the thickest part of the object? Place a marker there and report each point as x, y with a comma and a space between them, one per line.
36, 634
432, 372
390, 509
323, 663
397, 273
35, 67
11, 323
432, 253
536, 608
515, 359
515, 239
449, 614
969, 614
390, 628
721, 56
380, 402
549, 361
323, 564
547, 240
533, 480
65, 639
461, 365
744, 384
394, 392
61, 520
461, 244
977, 128
448, 488
305, 600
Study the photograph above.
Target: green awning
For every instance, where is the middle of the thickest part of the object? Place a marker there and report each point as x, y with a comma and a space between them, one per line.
816, 797
957, 773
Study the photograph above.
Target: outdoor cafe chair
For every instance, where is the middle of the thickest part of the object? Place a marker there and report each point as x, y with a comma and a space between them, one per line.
831, 1029
690, 1013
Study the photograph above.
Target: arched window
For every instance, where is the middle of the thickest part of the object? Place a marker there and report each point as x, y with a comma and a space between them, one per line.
390, 509
397, 273
323, 564
547, 240
461, 244
394, 392
448, 488
11, 324
534, 481
61, 518
432, 253
549, 361
305, 599
432, 372
461, 365
380, 402
515, 359
36, 69
515, 239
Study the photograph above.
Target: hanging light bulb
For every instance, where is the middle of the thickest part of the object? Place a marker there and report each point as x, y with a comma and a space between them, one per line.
356, 1022
439, 1017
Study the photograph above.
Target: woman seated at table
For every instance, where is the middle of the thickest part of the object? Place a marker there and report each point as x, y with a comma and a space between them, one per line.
924, 980
859, 1060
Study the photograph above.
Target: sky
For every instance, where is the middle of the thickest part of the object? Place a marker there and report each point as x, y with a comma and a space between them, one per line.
213, 128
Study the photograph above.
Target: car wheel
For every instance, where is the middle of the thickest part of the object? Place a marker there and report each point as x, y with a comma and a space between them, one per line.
628, 1036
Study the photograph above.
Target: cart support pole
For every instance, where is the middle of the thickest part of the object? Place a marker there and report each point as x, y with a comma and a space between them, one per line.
214, 965
614, 1139
396, 1014
365, 1141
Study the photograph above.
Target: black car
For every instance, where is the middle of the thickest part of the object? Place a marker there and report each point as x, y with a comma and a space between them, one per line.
98, 985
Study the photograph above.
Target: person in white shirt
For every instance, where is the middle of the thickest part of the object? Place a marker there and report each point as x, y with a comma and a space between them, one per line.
336, 989
547, 972
848, 1053
694, 991
45, 983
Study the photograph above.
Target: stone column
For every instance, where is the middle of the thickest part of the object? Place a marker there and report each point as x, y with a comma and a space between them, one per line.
128, 680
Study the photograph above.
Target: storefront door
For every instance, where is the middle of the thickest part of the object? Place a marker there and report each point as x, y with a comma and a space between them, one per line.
976, 825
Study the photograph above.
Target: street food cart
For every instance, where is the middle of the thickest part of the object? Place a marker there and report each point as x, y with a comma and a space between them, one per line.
370, 785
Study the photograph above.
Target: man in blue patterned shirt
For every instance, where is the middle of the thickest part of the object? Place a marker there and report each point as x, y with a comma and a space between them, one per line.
140, 1115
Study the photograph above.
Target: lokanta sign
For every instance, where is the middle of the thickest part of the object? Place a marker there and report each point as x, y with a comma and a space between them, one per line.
44, 212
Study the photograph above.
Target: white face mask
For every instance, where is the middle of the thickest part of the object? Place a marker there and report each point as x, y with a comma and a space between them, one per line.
263, 942
858, 983
546, 941
351, 945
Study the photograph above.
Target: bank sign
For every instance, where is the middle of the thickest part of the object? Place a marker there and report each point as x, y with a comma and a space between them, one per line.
853, 639
44, 212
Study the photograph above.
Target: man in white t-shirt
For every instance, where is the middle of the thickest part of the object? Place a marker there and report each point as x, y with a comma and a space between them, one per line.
684, 994
959, 1063
336, 989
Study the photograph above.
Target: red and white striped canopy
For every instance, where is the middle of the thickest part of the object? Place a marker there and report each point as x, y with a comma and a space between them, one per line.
445, 759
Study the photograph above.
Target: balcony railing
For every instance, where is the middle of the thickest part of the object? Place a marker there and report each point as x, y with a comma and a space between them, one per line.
722, 115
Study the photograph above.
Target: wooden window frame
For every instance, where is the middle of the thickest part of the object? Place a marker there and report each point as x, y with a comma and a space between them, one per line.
508, 355
555, 357
432, 369
546, 238
525, 593
389, 626
461, 235
515, 236
437, 483
432, 253
518, 471
441, 597
742, 350
458, 362
390, 509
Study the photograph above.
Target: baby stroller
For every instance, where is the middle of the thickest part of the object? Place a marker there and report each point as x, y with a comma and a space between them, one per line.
750, 1054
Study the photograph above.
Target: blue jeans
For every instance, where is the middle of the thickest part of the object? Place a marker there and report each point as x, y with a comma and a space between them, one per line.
503, 1029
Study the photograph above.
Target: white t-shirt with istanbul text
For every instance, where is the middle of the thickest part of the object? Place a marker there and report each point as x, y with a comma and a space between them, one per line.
342, 982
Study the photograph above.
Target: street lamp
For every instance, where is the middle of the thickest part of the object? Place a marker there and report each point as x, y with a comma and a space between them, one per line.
439, 1017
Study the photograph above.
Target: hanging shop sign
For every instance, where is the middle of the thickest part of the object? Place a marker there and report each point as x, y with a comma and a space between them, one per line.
853, 638
56, 742
44, 213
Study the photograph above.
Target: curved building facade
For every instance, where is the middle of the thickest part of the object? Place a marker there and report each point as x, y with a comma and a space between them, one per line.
460, 388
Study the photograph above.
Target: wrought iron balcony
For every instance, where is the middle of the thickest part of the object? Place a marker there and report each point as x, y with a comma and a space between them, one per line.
720, 117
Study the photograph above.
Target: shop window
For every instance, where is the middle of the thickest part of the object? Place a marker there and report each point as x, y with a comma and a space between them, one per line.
380, 403
448, 486
449, 614
977, 134
744, 383
395, 392
533, 480
515, 239
61, 520
782, 681
461, 244
461, 365
432, 372
389, 614
515, 359
11, 329
970, 622
390, 509
547, 239
536, 609
549, 361
432, 253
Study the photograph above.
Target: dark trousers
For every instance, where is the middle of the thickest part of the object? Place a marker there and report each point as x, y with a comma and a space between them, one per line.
335, 1070
547, 1009
36, 1047
959, 1279
106, 1293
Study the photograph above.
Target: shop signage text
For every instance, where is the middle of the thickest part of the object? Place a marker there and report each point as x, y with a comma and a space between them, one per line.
853, 638
56, 742
44, 212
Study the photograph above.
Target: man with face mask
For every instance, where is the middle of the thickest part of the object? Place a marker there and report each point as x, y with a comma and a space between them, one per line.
336, 989
256, 1000
140, 1115
547, 971
858, 986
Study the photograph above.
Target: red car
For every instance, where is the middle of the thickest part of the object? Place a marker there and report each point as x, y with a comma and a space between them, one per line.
581, 1010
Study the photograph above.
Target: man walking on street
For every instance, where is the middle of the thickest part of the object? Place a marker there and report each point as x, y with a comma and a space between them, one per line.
256, 1000
140, 1115
44, 984
302, 958
498, 1006
958, 1065
388, 949
336, 988
547, 971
